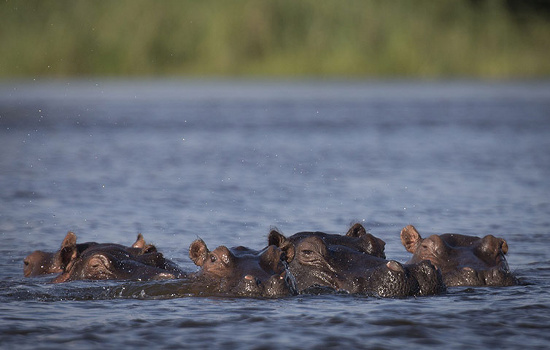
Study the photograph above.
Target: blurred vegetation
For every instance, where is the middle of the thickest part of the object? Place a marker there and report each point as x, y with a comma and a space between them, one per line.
350, 38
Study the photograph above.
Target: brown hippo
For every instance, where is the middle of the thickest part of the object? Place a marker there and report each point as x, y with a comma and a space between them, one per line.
113, 261
316, 263
41, 263
463, 260
241, 271
356, 238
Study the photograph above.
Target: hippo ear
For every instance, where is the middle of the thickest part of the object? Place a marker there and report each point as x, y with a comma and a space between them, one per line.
277, 239
198, 252
357, 230
68, 251
504, 246
149, 248
410, 238
140, 242
373, 245
145, 248
490, 245
69, 240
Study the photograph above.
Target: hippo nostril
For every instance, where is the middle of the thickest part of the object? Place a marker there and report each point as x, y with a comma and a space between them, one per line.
394, 266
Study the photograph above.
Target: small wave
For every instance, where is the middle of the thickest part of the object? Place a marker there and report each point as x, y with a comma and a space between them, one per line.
13, 290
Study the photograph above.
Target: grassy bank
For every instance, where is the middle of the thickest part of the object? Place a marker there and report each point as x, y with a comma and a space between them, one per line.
355, 38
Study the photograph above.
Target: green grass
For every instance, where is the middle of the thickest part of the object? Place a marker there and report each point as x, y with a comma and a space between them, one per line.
421, 38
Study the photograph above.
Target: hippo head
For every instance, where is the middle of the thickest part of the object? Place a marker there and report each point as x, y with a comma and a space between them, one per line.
356, 238
315, 263
40, 263
108, 261
242, 271
463, 260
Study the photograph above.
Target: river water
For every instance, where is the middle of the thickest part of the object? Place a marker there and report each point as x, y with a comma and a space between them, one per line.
226, 160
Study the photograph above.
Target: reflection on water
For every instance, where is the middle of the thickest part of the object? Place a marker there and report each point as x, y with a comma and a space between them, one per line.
225, 161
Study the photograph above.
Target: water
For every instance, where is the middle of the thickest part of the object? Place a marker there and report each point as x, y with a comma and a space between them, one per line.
228, 160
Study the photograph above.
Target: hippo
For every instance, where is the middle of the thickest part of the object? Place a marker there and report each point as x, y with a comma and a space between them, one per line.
41, 263
317, 264
242, 271
108, 261
463, 260
356, 238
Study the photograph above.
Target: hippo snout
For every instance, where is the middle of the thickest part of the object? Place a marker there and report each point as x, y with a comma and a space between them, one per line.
500, 276
275, 286
429, 278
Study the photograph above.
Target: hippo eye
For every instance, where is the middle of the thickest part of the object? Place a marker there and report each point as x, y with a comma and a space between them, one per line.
307, 252
213, 258
26, 263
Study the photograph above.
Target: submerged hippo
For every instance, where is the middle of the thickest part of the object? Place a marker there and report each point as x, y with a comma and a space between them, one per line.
241, 271
104, 261
463, 260
41, 263
316, 262
356, 238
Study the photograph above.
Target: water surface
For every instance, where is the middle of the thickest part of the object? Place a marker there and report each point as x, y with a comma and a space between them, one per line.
228, 160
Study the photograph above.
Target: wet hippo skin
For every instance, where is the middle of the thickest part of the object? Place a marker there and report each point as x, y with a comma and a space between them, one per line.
40, 263
356, 238
314, 263
99, 261
241, 271
463, 260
